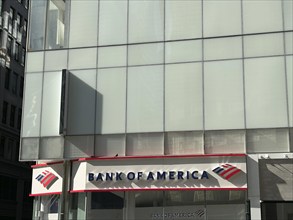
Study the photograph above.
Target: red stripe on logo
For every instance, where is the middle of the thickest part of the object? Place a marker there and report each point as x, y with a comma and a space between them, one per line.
47, 177
49, 181
232, 174
226, 171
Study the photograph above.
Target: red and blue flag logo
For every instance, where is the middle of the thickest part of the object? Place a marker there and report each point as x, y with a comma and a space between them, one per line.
47, 179
226, 171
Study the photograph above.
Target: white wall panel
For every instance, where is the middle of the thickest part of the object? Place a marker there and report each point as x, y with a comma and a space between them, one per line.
145, 99
112, 56
183, 19
146, 21
82, 58
183, 51
143, 54
288, 14
266, 104
55, 60
32, 105
262, 16
223, 95
35, 61
221, 18
263, 45
83, 23
183, 97
223, 48
111, 100
51, 104
289, 42
113, 22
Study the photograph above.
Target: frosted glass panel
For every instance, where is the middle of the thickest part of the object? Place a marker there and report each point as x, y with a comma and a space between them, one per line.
289, 42
145, 99
183, 97
79, 146
110, 145
112, 56
56, 60
265, 93
51, 104
81, 106
32, 105
225, 142
37, 24
223, 95
83, 23
29, 149
223, 48
289, 63
145, 54
263, 45
177, 143
222, 17
35, 61
183, 51
82, 58
183, 19
288, 14
267, 140
111, 101
51, 148
113, 22
145, 144
226, 211
146, 21
262, 16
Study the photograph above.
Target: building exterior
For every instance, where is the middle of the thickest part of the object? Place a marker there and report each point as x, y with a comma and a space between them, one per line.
160, 109
15, 177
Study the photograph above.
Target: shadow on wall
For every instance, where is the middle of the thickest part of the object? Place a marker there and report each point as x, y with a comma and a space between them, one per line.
276, 179
84, 114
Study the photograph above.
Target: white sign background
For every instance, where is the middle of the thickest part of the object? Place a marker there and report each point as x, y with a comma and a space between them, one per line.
81, 169
38, 188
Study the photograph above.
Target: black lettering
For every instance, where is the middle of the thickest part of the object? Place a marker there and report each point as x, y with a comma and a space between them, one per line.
171, 175
109, 176
150, 176
180, 175
204, 175
131, 176
194, 174
118, 176
161, 175
91, 177
100, 177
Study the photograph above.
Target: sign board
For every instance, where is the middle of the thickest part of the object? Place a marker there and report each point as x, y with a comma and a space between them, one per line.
159, 173
47, 179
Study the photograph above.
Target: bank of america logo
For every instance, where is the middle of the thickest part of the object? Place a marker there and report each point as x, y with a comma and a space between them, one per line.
199, 212
47, 179
226, 171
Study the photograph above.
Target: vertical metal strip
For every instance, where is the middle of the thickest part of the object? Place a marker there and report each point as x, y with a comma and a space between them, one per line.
126, 77
202, 69
164, 80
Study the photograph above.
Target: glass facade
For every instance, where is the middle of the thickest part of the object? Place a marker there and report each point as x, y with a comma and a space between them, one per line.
159, 67
141, 205
158, 78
